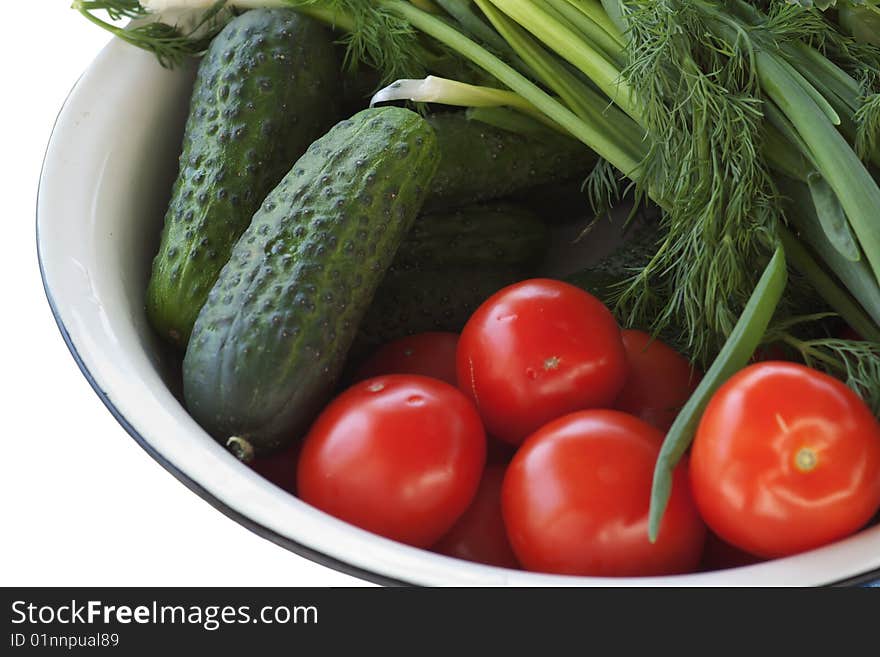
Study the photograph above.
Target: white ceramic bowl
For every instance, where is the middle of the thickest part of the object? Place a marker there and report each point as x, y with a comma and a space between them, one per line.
103, 191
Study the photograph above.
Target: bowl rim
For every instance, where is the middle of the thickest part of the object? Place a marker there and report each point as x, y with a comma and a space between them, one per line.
262, 531
259, 529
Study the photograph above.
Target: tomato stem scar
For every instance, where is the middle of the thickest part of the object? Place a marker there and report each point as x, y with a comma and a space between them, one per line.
805, 459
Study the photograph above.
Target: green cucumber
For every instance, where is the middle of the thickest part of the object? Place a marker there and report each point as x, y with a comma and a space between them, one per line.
602, 279
491, 234
410, 302
270, 342
264, 91
479, 162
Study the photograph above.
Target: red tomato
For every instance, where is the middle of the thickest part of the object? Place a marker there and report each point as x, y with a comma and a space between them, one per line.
660, 380
428, 354
576, 496
398, 455
279, 468
479, 534
535, 351
785, 459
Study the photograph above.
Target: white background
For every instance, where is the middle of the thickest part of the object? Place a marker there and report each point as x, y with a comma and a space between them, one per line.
81, 503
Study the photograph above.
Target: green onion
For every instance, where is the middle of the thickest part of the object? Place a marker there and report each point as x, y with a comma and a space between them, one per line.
451, 92
837, 162
739, 348
837, 297
832, 218
590, 133
575, 48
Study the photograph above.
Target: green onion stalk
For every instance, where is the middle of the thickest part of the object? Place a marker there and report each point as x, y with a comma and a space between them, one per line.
754, 126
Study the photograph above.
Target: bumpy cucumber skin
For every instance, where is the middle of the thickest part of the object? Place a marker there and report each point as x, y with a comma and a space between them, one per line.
489, 235
265, 90
271, 340
603, 279
479, 162
410, 302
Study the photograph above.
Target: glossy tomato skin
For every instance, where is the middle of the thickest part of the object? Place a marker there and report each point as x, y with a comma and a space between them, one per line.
398, 455
660, 380
479, 535
428, 354
537, 350
785, 459
576, 495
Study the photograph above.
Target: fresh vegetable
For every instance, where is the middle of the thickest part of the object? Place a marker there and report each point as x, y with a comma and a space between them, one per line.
706, 166
746, 135
736, 353
702, 105
785, 459
428, 354
271, 340
264, 91
410, 302
479, 162
449, 263
659, 380
486, 235
535, 351
172, 35
175, 29
861, 18
603, 279
398, 455
480, 535
575, 500
435, 89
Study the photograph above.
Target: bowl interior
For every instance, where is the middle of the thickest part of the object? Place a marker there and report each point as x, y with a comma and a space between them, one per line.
104, 189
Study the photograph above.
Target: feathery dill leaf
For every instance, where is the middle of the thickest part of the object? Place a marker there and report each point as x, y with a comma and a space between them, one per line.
171, 44
702, 109
373, 35
603, 187
867, 120
855, 362
862, 61
116, 9
859, 59
378, 38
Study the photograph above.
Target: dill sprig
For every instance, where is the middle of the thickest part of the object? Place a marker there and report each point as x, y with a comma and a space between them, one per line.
701, 105
372, 34
116, 9
603, 187
855, 362
375, 36
171, 44
867, 119
859, 59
